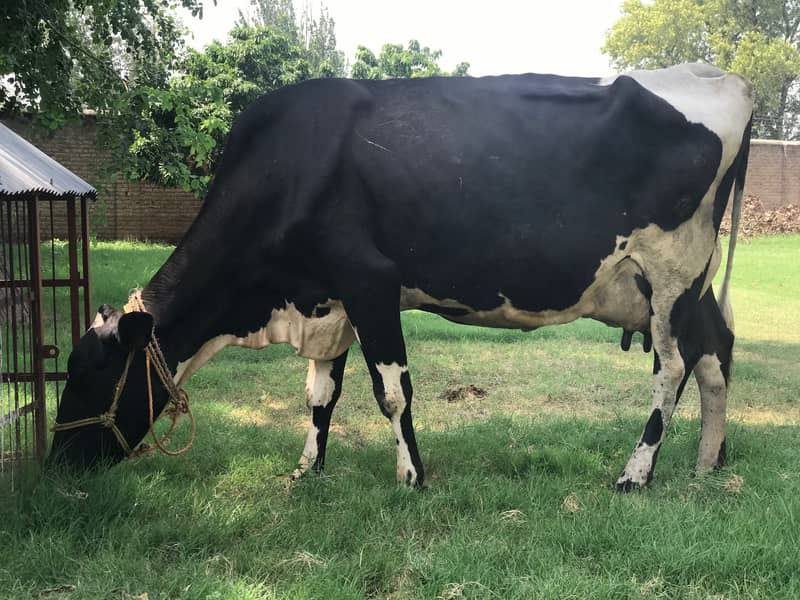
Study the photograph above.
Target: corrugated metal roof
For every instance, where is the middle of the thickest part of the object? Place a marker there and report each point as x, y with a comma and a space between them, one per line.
26, 169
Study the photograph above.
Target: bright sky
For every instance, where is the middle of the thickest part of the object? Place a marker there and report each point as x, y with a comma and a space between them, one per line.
498, 36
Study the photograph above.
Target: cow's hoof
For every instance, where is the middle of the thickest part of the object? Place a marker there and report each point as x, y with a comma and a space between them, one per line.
625, 486
411, 479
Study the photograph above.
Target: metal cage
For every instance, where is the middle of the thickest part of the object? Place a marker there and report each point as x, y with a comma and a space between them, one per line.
44, 273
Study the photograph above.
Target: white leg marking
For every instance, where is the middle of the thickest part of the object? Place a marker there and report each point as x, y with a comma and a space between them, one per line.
394, 404
404, 464
319, 391
319, 383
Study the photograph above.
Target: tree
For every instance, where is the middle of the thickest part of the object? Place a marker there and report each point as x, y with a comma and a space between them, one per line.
319, 39
395, 61
316, 35
278, 14
174, 135
758, 38
59, 56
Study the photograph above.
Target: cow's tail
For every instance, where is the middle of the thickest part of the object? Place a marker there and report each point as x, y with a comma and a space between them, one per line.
736, 212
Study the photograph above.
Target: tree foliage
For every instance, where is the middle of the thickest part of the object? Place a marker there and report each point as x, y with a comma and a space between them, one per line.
396, 61
59, 56
174, 135
758, 38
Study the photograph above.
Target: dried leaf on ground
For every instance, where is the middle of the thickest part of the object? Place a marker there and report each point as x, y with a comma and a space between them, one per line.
463, 392
757, 221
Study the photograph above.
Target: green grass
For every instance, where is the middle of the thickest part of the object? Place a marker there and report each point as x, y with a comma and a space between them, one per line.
563, 410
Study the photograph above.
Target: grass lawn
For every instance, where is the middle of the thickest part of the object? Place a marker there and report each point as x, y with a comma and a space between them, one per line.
520, 502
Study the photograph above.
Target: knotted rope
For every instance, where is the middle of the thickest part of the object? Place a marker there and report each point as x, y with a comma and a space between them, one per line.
178, 398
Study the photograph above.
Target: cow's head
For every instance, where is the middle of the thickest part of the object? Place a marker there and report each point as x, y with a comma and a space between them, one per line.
94, 368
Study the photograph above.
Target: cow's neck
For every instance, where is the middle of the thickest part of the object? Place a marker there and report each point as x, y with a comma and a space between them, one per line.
184, 303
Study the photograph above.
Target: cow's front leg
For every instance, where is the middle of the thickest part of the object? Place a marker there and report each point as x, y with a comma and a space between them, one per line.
323, 387
375, 316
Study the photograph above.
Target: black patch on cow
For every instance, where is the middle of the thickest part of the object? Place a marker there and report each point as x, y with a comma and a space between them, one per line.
625, 343
644, 286
722, 455
445, 311
738, 167
322, 311
656, 364
623, 245
687, 305
704, 332
654, 428
653, 465
627, 486
645, 289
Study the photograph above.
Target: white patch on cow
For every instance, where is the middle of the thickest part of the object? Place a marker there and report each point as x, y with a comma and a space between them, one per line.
404, 464
309, 455
703, 94
394, 400
319, 383
639, 465
415, 297
394, 404
318, 338
98, 321
713, 404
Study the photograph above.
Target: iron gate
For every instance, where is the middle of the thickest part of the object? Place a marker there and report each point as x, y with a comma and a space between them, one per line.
44, 273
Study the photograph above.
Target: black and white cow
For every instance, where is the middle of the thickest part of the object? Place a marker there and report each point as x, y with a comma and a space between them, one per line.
514, 201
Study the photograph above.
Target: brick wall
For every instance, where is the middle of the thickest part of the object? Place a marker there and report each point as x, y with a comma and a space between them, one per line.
149, 212
773, 173
125, 209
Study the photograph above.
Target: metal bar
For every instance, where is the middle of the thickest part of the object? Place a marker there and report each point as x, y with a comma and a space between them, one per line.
26, 298
86, 281
14, 341
53, 292
37, 321
28, 377
5, 359
45, 282
74, 301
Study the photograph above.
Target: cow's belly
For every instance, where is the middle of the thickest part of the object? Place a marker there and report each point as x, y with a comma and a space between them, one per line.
317, 337
614, 297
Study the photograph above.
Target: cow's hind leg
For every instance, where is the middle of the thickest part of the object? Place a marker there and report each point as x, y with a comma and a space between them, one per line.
687, 340
323, 387
373, 308
712, 374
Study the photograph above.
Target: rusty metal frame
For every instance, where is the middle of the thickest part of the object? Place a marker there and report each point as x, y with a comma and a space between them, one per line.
38, 372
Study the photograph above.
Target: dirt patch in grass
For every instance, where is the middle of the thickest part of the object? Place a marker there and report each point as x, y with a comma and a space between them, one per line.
756, 221
461, 393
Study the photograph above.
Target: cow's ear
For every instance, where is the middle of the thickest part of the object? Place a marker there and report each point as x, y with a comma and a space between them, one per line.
134, 330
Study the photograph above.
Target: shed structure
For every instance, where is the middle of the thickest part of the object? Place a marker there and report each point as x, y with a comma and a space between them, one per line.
45, 291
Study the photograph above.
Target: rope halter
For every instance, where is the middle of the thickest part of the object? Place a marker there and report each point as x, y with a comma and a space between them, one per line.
178, 398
